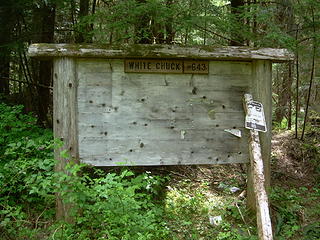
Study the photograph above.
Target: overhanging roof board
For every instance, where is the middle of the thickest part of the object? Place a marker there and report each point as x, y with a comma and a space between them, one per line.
45, 50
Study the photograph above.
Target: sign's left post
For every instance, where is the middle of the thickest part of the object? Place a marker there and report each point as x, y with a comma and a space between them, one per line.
65, 126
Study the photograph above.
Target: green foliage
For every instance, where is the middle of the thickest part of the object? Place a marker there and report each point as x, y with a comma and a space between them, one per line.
194, 22
288, 207
15, 125
312, 231
112, 206
229, 232
130, 21
310, 148
283, 125
26, 157
291, 208
26, 172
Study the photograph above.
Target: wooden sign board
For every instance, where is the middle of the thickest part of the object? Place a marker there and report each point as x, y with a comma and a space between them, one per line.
145, 119
165, 66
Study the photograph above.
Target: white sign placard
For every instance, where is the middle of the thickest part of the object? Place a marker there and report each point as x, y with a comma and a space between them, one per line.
255, 117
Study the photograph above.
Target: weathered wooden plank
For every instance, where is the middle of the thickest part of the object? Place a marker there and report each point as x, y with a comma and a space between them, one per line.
154, 129
99, 65
168, 104
143, 93
104, 145
162, 110
261, 88
95, 65
156, 132
199, 120
160, 101
159, 152
211, 82
95, 79
166, 127
94, 99
155, 51
158, 159
230, 68
65, 117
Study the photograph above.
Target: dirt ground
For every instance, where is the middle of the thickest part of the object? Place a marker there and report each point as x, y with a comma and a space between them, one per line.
290, 162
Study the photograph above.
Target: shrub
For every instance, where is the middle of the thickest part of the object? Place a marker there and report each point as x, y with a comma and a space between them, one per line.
26, 173
112, 206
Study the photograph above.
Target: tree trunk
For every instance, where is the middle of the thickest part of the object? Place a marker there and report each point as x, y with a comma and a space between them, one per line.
93, 11
142, 27
236, 10
5, 35
84, 28
169, 28
157, 32
311, 74
254, 24
284, 95
44, 21
297, 92
290, 81
286, 17
4, 73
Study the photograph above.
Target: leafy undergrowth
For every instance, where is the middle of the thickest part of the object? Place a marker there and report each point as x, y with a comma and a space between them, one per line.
296, 180
171, 203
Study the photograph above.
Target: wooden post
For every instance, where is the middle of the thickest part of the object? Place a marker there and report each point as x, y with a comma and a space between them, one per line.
261, 88
257, 173
65, 121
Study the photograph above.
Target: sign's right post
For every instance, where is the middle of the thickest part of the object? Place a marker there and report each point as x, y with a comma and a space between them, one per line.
261, 90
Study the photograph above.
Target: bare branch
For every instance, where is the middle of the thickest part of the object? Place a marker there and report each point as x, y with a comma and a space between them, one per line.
28, 83
212, 32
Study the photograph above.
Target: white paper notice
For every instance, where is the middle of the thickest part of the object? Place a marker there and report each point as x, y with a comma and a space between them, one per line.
255, 117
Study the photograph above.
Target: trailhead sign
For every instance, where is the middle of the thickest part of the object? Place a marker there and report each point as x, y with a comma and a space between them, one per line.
141, 105
157, 104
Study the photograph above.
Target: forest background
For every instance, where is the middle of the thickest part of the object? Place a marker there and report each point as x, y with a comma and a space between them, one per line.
278, 24
290, 24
